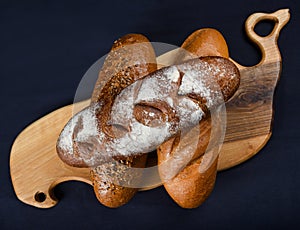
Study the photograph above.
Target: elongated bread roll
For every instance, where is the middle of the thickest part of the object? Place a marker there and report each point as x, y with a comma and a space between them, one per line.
139, 60
130, 58
190, 187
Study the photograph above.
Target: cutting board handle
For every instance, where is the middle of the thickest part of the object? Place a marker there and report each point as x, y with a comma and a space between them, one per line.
250, 110
267, 44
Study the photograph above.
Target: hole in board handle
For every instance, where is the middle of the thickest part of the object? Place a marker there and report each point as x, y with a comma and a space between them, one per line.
40, 197
264, 27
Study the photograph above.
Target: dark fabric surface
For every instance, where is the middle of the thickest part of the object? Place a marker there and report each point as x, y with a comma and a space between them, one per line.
45, 49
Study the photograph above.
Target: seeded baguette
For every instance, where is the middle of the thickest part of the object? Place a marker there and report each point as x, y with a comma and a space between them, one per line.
130, 58
107, 192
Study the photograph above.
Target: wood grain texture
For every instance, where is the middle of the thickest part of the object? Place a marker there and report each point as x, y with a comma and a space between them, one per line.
250, 111
34, 165
36, 169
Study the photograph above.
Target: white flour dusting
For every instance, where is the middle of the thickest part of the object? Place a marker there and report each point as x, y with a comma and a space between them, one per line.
160, 87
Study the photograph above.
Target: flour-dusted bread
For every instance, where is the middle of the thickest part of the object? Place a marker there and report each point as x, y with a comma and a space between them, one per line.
175, 98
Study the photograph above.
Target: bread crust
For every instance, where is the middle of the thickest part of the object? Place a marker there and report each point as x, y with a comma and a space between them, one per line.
206, 42
107, 192
190, 187
131, 58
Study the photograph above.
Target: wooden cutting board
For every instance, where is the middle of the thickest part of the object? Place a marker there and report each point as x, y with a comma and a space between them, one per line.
36, 169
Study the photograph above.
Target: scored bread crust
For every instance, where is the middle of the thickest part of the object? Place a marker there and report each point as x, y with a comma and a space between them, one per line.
190, 187
181, 94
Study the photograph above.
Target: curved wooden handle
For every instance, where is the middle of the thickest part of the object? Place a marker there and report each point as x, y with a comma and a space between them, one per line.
250, 110
35, 167
267, 44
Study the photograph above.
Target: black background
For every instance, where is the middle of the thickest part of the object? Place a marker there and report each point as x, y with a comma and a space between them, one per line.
46, 47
